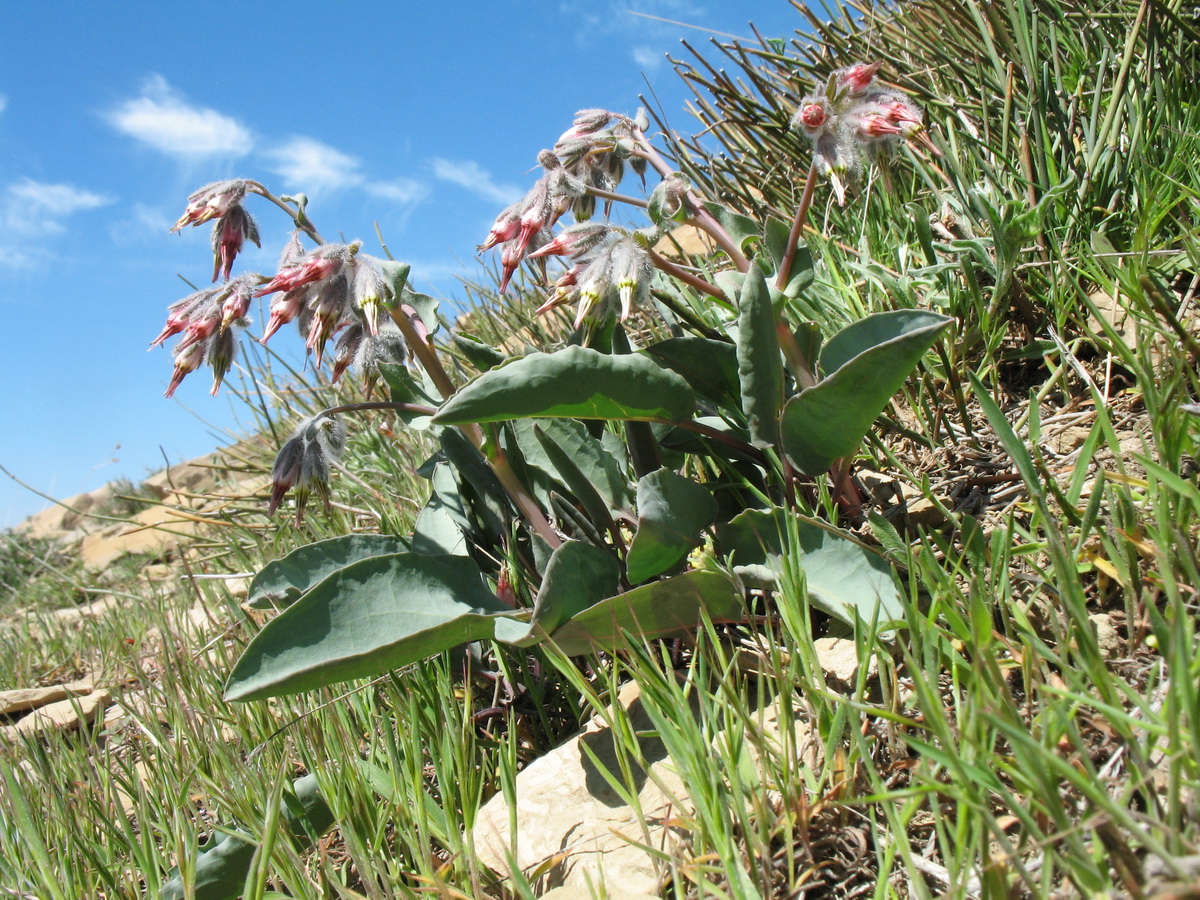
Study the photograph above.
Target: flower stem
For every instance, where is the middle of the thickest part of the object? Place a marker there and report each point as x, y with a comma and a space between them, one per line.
619, 198
679, 273
789, 255
702, 218
296, 214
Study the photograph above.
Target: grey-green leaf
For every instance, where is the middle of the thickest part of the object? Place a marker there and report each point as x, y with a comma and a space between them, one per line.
220, 872
829, 420
710, 367
653, 610
371, 616
579, 576
286, 578
760, 369
574, 383
843, 577
672, 514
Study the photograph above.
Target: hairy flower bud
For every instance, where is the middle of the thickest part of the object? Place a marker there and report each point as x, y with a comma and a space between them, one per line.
304, 462
187, 360
211, 201
220, 354
233, 229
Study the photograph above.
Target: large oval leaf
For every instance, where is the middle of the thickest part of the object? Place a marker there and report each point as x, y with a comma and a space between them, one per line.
652, 610
710, 367
286, 578
672, 513
829, 420
572, 383
377, 614
842, 577
578, 576
759, 367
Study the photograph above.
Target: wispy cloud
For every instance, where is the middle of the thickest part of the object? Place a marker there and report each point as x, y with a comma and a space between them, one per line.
3, 103
475, 178
34, 209
30, 207
164, 120
403, 191
309, 165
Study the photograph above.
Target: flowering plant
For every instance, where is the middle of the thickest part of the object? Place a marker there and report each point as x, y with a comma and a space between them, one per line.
574, 486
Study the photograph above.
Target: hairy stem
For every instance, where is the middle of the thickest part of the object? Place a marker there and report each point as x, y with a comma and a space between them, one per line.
298, 216
681, 274
789, 254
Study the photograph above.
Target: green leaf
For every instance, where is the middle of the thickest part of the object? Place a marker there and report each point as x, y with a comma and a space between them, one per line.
479, 354
744, 230
653, 610
396, 275
579, 575
285, 579
802, 271
426, 308
672, 513
221, 868
403, 388
759, 367
587, 454
710, 367
877, 330
573, 383
843, 577
371, 616
829, 420
443, 524
574, 478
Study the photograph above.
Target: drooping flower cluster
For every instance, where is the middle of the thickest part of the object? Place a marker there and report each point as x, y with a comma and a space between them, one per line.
335, 288
207, 320
611, 271
222, 200
852, 118
591, 154
305, 460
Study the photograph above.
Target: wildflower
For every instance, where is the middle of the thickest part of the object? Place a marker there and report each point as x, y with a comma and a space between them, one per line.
219, 355
304, 461
181, 313
235, 301
212, 201
369, 291
187, 360
316, 266
852, 118
615, 275
229, 233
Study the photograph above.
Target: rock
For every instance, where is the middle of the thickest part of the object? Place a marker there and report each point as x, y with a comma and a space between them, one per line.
152, 531
685, 241
582, 893
68, 516
572, 824
65, 715
196, 477
839, 660
566, 808
22, 699
69, 615
1107, 635
901, 503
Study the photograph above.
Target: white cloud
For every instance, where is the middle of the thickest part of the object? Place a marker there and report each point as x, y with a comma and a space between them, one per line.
3, 103
309, 165
31, 207
648, 57
475, 178
162, 118
404, 191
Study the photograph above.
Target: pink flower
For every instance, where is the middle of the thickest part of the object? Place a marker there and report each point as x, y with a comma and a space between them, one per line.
187, 360
316, 266
211, 201
857, 78
229, 233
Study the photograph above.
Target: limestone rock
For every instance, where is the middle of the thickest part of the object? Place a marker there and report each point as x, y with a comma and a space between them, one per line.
576, 827
154, 531
64, 715
566, 808
22, 699
1107, 635
839, 660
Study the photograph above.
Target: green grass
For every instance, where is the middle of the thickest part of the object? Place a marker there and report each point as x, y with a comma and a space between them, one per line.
1000, 750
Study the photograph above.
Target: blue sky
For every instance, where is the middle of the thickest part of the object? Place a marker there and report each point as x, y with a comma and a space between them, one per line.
424, 116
